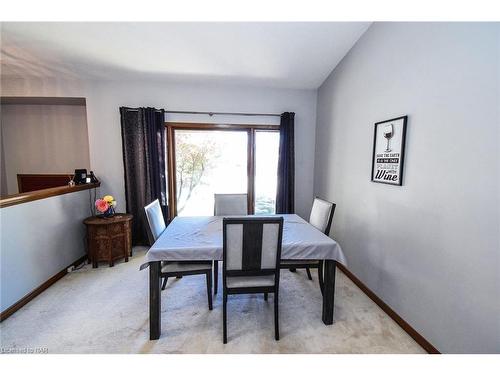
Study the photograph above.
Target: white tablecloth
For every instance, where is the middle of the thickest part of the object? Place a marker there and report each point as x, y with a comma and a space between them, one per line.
200, 238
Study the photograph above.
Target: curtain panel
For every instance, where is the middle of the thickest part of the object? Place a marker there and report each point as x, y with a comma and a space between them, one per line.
286, 166
143, 141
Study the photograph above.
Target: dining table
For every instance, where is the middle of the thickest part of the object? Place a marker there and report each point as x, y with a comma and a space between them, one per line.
197, 238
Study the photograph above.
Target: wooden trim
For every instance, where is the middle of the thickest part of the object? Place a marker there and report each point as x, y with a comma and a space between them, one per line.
45, 175
15, 199
42, 100
172, 177
251, 129
44, 180
31, 295
389, 311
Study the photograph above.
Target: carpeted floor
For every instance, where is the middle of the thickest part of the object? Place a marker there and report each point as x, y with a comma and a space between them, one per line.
105, 310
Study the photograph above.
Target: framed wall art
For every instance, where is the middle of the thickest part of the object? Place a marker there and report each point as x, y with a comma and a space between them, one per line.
389, 151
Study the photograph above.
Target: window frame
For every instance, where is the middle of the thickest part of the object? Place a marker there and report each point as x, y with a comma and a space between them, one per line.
251, 129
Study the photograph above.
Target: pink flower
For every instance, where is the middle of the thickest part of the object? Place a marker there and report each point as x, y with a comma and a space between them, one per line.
101, 205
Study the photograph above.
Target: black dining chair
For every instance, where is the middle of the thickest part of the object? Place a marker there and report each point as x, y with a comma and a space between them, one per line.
228, 205
176, 269
321, 218
251, 259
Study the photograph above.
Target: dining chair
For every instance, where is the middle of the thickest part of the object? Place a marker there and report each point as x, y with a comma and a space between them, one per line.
251, 259
228, 205
321, 218
176, 269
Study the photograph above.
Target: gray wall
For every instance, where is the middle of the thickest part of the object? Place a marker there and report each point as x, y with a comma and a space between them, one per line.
39, 239
430, 249
55, 135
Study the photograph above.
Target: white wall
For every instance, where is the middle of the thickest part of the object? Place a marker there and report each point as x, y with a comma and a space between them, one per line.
43, 139
431, 248
104, 99
39, 239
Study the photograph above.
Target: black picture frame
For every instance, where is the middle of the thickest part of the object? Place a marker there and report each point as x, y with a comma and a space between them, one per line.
401, 150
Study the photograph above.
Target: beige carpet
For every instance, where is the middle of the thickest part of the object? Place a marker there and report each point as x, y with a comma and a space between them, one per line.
105, 310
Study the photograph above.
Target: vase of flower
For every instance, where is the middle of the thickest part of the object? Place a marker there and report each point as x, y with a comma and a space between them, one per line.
109, 212
106, 206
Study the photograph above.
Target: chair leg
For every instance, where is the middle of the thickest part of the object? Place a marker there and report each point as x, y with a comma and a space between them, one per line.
224, 318
276, 317
216, 276
320, 276
209, 289
308, 273
164, 283
265, 296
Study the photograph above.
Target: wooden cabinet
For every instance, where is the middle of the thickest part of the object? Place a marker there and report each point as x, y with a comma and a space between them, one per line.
109, 239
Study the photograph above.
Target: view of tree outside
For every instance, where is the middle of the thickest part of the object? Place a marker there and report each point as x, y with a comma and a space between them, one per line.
194, 160
208, 162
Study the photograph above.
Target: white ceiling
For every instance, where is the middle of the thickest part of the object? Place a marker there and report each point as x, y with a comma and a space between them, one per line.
285, 55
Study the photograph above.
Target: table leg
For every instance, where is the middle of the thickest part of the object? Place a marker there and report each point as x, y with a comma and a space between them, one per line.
154, 301
329, 291
216, 276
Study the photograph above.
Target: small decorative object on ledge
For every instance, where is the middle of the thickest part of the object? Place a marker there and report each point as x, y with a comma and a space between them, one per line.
106, 206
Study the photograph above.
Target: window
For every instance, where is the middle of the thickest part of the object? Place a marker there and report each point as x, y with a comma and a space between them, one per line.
208, 162
266, 167
205, 159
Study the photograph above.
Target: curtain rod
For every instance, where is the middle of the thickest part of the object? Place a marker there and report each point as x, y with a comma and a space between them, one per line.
218, 113
225, 113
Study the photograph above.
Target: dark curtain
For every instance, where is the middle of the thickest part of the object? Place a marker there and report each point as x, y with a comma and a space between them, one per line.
286, 166
143, 140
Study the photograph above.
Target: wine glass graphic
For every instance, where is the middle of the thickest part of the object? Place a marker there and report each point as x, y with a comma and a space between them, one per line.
388, 134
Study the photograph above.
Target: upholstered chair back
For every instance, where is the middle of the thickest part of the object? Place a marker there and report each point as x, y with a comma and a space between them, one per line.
322, 214
155, 219
231, 204
252, 244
